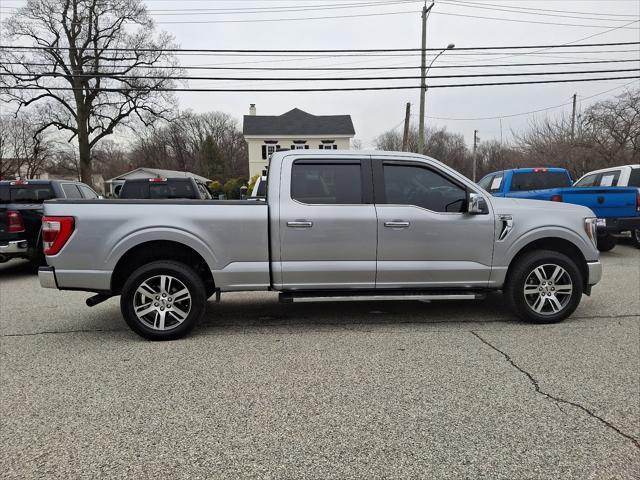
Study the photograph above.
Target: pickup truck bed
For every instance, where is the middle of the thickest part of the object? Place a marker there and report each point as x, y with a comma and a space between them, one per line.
107, 229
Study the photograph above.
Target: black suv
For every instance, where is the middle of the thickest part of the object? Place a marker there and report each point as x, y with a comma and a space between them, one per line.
21, 214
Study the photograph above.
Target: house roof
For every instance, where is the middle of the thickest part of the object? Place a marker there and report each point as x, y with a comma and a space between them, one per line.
297, 122
158, 172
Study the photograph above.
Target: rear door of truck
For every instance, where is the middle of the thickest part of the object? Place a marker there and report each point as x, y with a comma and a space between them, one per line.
327, 223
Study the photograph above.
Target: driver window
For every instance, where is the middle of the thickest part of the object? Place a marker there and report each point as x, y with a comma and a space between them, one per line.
422, 187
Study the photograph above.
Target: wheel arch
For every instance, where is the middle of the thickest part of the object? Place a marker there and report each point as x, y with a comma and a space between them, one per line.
155, 250
557, 244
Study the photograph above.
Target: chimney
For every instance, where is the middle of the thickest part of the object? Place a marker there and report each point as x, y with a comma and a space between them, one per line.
252, 109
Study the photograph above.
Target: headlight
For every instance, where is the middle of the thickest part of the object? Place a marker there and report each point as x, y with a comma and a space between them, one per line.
590, 228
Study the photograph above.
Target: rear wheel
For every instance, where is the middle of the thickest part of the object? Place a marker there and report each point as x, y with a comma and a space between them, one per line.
606, 242
544, 287
163, 300
635, 237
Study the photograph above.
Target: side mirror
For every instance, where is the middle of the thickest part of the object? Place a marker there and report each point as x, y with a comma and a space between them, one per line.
477, 204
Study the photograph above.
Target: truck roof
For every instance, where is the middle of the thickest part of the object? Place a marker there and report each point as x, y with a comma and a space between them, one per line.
35, 182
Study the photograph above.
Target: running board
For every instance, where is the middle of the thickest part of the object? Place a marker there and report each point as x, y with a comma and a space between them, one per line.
342, 296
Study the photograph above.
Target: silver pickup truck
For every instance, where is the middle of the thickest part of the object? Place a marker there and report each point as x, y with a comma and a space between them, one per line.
335, 226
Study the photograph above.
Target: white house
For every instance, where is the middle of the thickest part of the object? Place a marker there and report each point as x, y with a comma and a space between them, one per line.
294, 129
113, 185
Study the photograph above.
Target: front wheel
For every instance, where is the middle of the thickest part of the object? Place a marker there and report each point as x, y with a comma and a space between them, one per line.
544, 287
163, 300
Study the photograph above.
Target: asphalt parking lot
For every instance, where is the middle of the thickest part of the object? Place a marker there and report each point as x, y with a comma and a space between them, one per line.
362, 390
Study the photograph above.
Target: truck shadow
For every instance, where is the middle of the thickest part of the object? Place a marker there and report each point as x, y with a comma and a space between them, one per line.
15, 269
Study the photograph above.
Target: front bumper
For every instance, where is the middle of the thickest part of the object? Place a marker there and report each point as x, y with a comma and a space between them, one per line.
617, 225
13, 248
595, 272
47, 277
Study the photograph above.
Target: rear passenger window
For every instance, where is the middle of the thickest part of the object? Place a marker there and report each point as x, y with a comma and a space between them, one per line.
71, 191
610, 179
326, 183
422, 187
634, 178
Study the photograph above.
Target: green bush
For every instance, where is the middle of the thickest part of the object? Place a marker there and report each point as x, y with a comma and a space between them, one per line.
216, 188
231, 189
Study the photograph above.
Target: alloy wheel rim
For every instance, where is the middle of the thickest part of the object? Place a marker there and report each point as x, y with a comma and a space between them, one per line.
548, 289
162, 302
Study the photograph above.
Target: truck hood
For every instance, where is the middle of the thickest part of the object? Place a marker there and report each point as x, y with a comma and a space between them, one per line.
519, 205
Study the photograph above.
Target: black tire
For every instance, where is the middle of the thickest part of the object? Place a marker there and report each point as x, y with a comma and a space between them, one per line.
171, 326
606, 242
521, 272
635, 237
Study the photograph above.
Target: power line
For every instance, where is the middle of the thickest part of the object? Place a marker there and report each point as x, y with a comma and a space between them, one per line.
116, 76
334, 89
483, 6
495, 65
274, 9
296, 51
497, 117
518, 21
463, 2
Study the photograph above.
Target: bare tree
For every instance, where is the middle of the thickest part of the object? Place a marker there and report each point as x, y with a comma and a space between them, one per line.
83, 65
9, 163
440, 144
25, 149
209, 144
611, 129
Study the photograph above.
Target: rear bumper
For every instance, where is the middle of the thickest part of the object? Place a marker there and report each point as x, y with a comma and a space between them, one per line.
47, 277
14, 248
617, 225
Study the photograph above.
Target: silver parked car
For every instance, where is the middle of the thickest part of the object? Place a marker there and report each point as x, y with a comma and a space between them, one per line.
336, 225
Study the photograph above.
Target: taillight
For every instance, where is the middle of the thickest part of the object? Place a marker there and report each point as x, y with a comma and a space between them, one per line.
556, 198
55, 233
157, 179
14, 222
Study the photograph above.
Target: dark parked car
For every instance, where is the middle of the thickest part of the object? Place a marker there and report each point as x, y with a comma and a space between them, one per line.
165, 188
21, 214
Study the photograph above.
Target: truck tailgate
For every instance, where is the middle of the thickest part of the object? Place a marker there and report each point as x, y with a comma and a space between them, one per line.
613, 202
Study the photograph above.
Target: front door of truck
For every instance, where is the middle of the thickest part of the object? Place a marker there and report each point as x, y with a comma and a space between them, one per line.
327, 223
425, 237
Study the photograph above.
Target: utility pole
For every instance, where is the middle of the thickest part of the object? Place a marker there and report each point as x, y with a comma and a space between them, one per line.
423, 75
573, 117
405, 136
475, 147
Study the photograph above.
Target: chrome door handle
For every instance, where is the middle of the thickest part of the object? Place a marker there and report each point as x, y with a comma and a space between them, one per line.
396, 224
300, 224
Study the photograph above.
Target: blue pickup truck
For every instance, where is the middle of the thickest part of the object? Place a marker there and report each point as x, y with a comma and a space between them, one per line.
617, 208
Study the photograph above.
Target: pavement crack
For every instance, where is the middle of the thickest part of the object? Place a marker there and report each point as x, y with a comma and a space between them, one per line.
557, 400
